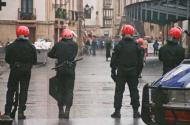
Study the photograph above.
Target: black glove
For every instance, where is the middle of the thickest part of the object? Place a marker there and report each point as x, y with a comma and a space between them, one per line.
113, 75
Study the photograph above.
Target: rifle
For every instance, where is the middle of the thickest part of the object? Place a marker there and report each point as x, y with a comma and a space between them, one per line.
65, 62
185, 31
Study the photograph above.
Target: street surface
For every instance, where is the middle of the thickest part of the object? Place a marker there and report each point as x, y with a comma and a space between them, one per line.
93, 95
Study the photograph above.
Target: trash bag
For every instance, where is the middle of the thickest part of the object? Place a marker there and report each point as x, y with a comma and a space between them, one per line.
53, 87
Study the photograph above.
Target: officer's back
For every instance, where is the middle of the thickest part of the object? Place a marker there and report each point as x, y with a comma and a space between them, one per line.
172, 53
65, 50
21, 51
129, 53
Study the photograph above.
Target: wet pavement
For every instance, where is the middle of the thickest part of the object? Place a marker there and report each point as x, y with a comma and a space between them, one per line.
93, 95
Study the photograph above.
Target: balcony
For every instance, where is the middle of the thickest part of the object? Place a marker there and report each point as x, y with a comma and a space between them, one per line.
27, 14
108, 17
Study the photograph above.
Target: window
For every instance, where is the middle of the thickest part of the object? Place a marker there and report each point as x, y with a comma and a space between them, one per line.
27, 6
107, 2
107, 17
108, 13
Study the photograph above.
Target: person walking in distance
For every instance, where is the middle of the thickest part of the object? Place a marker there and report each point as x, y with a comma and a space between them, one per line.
156, 46
124, 68
21, 56
65, 52
108, 44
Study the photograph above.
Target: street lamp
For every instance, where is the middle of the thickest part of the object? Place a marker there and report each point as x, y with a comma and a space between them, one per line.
87, 11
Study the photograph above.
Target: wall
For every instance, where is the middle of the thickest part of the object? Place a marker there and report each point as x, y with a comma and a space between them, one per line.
45, 31
10, 11
155, 32
185, 41
7, 32
40, 10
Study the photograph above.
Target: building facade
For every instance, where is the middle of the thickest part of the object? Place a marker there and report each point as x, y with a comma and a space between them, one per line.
66, 15
45, 18
39, 19
98, 16
119, 6
157, 17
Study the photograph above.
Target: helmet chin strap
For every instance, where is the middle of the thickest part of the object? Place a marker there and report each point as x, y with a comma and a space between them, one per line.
22, 37
172, 39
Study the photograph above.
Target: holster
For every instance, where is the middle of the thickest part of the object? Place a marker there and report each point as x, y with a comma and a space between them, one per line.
21, 66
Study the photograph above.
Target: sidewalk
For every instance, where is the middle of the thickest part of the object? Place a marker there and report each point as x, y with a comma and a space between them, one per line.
93, 95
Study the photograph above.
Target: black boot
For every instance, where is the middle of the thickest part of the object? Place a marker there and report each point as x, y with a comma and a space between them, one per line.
116, 114
61, 112
136, 113
21, 115
67, 112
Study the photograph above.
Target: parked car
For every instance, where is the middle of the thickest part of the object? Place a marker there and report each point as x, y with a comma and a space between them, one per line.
167, 100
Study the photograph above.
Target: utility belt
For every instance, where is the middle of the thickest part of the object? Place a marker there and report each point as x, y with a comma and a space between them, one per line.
21, 66
66, 65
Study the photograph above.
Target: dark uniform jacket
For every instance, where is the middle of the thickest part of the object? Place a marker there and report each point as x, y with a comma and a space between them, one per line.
171, 55
65, 50
21, 51
126, 55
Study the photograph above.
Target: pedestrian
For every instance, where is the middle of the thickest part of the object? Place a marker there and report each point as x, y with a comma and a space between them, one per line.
124, 63
65, 52
156, 46
94, 45
108, 44
88, 44
21, 56
141, 64
145, 44
172, 53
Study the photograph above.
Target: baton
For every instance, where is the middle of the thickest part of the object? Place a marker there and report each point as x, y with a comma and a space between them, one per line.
60, 65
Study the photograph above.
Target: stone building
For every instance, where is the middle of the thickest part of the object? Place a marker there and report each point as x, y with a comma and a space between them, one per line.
155, 18
66, 15
32, 13
98, 16
45, 18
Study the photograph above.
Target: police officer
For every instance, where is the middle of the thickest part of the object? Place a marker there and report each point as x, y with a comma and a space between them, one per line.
124, 63
20, 55
172, 53
65, 52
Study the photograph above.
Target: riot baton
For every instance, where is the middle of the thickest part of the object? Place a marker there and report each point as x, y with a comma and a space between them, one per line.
61, 65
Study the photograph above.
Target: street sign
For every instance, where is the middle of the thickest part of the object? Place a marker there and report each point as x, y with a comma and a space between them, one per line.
2, 4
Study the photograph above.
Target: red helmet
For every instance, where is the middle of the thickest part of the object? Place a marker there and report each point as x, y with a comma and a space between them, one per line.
140, 40
127, 30
22, 31
67, 34
175, 32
